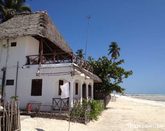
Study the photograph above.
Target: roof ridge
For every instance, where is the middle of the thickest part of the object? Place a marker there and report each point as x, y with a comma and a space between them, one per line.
30, 13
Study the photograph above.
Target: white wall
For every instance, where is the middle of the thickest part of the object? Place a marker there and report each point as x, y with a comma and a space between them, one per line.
81, 79
9, 56
0, 83
2, 54
25, 46
50, 74
50, 84
32, 46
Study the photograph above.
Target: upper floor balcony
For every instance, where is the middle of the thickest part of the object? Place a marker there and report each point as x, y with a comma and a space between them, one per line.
56, 59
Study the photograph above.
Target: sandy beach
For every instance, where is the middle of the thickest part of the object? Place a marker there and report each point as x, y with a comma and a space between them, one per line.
126, 114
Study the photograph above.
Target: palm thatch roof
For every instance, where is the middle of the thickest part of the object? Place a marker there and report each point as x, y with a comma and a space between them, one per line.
37, 25
33, 24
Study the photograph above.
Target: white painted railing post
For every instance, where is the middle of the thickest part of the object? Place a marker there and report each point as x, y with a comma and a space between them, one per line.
81, 92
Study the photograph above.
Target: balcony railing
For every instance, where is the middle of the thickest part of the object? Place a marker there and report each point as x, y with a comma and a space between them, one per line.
52, 59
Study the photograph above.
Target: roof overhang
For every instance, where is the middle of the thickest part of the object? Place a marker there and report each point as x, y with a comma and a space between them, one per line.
87, 73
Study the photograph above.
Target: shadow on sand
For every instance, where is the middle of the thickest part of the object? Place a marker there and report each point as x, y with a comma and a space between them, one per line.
38, 129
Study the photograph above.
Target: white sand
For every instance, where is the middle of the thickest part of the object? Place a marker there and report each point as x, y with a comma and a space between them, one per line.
126, 114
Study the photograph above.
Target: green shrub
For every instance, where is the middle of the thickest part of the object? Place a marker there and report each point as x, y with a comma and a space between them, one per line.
96, 108
88, 110
77, 112
14, 98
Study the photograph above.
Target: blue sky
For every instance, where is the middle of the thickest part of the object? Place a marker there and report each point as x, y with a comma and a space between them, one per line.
137, 25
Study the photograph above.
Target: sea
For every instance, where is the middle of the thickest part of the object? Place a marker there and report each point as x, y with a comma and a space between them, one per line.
152, 97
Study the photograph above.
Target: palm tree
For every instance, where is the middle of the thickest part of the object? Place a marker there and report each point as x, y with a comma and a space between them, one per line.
8, 8
114, 51
80, 53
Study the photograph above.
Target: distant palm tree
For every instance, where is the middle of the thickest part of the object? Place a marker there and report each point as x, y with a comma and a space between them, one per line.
114, 51
80, 53
8, 8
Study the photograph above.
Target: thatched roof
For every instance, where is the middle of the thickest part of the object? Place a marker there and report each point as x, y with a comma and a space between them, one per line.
38, 25
34, 24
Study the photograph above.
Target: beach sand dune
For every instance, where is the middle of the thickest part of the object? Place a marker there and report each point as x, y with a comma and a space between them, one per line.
126, 114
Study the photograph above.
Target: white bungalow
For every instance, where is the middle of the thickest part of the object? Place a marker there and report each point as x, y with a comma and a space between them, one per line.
35, 61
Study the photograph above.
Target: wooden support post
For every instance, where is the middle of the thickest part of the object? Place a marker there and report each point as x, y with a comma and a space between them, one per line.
72, 58
54, 56
3, 86
16, 83
41, 51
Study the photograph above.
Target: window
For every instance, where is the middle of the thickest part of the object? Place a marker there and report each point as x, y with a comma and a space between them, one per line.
13, 44
36, 87
76, 89
61, 82
89, 91
9, 82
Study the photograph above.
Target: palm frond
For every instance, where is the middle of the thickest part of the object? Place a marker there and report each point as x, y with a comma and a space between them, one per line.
2, 2
2, 9
10, 7
19, 3
8, 3
24, 8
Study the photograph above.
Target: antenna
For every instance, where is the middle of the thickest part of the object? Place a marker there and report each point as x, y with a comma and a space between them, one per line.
86, 43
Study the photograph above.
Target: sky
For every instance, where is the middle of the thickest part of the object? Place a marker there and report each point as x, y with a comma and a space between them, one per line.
138, 26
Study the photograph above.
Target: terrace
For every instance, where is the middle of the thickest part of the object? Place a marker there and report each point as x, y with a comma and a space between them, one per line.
56, 59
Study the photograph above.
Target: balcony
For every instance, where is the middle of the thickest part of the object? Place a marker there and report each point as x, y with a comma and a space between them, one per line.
56, 59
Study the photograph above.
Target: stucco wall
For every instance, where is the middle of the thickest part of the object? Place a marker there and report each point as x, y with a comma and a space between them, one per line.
9, 56
50, 74
25, 46
49, 85
81, 80
32, 46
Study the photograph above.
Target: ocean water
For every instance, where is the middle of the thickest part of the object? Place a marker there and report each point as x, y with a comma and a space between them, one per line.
153, 97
